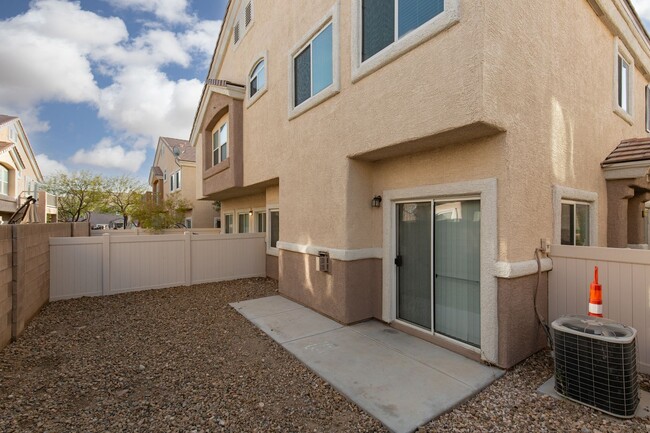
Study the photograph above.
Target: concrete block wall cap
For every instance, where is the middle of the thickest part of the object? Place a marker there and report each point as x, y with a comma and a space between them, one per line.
520, 269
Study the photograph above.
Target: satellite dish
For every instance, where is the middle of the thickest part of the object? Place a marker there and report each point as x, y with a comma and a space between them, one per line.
176, 151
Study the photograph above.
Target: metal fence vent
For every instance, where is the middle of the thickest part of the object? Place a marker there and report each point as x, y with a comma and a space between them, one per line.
323, 261
595, 364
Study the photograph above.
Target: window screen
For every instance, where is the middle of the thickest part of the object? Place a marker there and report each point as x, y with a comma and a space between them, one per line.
378, 26
302, 74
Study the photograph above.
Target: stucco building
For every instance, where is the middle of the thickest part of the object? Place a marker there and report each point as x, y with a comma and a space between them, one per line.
20, 175
174, 172
407, 158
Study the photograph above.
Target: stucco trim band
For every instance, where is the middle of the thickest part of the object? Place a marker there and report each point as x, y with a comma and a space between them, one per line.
487, 190
335, 253
520, 269
446, 19
565, 193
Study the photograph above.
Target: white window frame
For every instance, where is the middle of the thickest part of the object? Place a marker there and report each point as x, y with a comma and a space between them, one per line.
171, 183
243, 212
401, 46
4, 187
332, 17
178, 180
272, 251
576, 203
224, 223
563, 194
255, 225
217, 129
621, 51
262, 57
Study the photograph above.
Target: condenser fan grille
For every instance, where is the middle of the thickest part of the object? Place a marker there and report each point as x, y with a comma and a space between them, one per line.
596, 372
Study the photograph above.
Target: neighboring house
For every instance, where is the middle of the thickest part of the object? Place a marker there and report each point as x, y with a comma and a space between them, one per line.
174, 172
427, 147
20, 175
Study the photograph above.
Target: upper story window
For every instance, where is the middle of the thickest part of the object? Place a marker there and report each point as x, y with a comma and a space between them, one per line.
165, 175
385, 21
171, 183
257, 79
220, 143
575, 223
4, 180
399, 24
178, 179
313, 66
623, 82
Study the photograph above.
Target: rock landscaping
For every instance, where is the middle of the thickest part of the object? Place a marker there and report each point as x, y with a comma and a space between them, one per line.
182, 359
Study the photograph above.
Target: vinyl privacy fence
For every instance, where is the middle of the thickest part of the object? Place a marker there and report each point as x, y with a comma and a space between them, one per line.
625, 277
107, 265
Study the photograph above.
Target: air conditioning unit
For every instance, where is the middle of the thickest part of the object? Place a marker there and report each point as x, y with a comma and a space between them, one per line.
595, 364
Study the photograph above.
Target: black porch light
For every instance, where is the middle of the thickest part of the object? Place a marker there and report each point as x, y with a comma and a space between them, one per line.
376, 201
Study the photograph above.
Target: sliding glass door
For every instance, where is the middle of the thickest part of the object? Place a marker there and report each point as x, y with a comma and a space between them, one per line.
438, 267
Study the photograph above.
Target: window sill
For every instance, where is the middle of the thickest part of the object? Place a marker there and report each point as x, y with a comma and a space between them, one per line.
417, 37
624, 115
315, 100
256, 96
223, 165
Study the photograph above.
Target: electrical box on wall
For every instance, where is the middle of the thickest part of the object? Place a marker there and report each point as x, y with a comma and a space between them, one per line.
545, 245
323, 261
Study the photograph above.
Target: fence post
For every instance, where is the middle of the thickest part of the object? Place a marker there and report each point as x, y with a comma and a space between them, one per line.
188, 258
106, 263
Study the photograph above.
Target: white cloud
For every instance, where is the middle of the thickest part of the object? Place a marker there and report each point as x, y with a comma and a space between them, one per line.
172, 11
144, 101
107, 154
202, 37
49, 166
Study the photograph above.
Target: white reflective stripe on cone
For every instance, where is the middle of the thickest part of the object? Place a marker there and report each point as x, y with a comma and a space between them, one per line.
596, 308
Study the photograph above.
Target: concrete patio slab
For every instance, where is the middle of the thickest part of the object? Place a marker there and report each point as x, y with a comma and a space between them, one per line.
401, 380
643, 411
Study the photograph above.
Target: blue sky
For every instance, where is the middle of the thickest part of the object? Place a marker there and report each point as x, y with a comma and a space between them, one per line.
97, 81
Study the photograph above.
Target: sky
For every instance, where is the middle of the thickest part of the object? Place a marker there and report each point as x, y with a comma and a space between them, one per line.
96, 82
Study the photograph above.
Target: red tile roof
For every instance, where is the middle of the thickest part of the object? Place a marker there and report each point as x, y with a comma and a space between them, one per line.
633, 149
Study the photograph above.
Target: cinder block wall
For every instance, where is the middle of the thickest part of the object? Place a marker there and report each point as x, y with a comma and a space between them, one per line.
25, 272
5, 284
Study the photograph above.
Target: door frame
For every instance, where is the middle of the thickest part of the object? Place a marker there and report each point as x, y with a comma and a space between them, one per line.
486, 191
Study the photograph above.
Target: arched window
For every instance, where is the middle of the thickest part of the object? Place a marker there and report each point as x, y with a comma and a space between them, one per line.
4, 180
257, 79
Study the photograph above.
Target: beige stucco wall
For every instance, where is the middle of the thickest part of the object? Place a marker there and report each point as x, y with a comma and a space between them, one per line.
202, 212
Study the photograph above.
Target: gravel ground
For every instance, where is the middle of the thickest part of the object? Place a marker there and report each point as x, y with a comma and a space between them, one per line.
182, 359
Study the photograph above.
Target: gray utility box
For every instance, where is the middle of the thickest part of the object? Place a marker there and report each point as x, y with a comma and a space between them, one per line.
595, 364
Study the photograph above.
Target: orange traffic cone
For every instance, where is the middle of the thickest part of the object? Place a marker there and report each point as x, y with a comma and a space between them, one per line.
596, 297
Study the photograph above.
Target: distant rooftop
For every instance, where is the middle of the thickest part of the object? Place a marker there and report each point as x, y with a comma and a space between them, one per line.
187, 152
630, 150
5, 119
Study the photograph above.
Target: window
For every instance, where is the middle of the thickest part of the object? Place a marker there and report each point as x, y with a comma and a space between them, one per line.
4, 180
385, 21
575, 223
243, 222
623, 84
220, 144
275, 228
399, 24
260, 222
178, 179
188, 223
248, 14
171, 183
257, 80
228, 223
647, 108
165, 175
313, 70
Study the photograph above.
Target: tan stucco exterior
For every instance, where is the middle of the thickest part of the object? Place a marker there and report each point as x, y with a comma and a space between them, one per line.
24, 175
202, 212
516, 93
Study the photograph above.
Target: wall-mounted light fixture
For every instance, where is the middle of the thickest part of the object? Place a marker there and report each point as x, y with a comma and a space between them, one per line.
376, 201
250, 212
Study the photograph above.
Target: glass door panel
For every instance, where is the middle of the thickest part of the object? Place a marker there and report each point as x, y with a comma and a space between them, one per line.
414, 263
457, 270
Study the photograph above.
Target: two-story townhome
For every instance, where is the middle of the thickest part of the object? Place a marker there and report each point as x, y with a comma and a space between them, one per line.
406, 158
20, 175
174, 172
